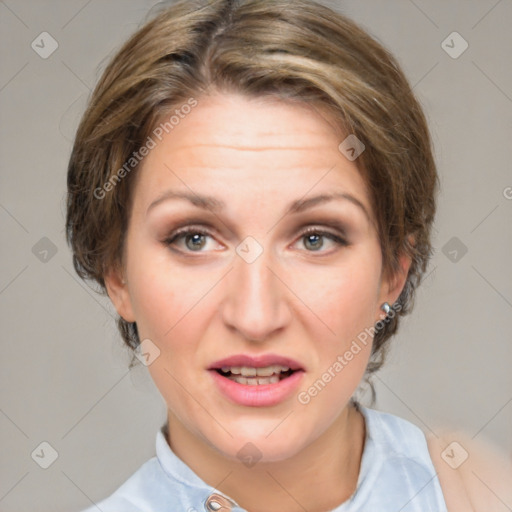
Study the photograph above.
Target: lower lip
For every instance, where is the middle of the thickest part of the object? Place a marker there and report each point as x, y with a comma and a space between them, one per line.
262, 395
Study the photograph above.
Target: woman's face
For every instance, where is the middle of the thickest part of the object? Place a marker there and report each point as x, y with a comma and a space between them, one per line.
247, 289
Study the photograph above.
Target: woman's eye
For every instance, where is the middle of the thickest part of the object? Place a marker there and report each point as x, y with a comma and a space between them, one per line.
195, 239
314, 239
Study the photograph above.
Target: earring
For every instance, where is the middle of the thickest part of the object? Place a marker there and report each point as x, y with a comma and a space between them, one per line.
386, 308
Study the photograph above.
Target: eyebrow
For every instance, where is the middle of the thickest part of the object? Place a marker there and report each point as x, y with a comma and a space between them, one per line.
216, 205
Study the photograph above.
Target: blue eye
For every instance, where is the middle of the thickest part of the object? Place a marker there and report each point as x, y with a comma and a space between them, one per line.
195, 239
315, 236
194, 235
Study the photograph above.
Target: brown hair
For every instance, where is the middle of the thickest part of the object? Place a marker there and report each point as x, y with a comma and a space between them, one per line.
294, 50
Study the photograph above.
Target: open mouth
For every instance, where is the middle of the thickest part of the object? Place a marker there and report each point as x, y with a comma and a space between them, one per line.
262, 380
251, 376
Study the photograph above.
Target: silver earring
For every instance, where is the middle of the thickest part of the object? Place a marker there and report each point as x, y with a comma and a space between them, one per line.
386, 308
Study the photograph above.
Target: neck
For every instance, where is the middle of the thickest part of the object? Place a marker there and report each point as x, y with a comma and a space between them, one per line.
317, 479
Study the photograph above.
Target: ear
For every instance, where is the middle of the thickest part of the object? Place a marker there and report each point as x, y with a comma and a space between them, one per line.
117, 289
393, 284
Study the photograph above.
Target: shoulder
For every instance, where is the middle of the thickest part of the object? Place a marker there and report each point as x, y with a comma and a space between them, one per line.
474, 475
396, 461
396, 436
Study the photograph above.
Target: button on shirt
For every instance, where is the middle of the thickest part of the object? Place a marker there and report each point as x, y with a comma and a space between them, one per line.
396, 473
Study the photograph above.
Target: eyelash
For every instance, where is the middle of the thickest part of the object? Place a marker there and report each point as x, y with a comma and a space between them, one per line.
189, 230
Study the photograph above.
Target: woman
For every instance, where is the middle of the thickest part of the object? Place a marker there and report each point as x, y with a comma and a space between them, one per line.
253, 185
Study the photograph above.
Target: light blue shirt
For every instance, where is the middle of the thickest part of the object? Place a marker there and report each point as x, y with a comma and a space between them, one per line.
396, 474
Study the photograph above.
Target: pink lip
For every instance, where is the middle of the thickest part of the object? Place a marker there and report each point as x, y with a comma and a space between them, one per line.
256, 361
264, 395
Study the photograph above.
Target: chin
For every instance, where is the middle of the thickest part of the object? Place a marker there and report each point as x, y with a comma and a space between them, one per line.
264, 441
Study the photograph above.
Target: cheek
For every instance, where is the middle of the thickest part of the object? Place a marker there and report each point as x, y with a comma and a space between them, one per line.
344, 298
162, 297
170, 311
173, 307
156, 302
347, 307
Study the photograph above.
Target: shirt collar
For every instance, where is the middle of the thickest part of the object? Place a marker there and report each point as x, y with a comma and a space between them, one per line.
178, 471
172, 464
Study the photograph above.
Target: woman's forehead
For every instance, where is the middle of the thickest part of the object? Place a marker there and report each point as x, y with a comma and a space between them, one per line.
235, 120
235, 138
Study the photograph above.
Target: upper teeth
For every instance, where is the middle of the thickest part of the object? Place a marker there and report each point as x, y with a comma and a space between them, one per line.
247, 371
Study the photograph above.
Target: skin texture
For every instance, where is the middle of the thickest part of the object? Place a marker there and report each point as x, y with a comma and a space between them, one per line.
298, 299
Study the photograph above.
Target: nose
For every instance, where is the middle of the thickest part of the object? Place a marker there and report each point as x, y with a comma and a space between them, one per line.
255, 302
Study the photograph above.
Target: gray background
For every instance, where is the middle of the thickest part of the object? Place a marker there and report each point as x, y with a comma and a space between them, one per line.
64, 371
